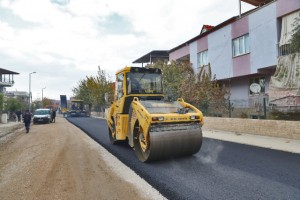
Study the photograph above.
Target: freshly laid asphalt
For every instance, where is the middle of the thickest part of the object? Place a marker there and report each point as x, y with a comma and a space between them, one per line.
220, 170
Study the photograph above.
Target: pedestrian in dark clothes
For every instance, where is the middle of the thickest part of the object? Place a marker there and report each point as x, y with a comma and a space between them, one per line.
19, 115
27, 120
53, 115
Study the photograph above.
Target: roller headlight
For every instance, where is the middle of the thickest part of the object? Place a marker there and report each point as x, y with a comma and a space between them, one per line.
193, 117
155, 119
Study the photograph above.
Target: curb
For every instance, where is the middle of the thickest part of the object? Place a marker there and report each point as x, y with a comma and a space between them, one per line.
12, 129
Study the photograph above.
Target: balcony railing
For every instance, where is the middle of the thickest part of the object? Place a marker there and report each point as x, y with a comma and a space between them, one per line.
7, 83
284, 50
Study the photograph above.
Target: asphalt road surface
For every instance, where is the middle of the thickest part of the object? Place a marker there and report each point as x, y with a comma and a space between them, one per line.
220, 170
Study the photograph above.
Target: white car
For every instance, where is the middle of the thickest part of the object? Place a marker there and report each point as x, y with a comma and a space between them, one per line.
42, 116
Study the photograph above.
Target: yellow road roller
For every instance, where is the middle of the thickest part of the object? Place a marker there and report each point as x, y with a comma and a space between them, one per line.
155, 128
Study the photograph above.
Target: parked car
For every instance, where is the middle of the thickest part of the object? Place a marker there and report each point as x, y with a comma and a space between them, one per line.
42, 116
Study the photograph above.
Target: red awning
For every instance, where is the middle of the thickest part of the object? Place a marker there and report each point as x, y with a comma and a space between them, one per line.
257, 2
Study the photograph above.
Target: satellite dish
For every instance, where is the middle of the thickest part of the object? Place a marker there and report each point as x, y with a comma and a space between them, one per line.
255, 88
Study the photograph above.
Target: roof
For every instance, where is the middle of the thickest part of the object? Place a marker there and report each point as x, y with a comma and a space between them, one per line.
5, 71
257, 2
16, 93
206, 28
139, 70
153, 56
219, 26
214, 28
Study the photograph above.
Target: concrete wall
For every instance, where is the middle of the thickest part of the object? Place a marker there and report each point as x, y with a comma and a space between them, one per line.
275, 128
193, 56
220, 52
241, 65
240, 27
239, 88
263, 37
202, 44
287, 6
179, 53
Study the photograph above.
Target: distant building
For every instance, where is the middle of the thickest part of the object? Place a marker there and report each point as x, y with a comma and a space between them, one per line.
6, 79
24, 96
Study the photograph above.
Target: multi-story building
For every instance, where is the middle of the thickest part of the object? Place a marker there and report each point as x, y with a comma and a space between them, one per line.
249, 54
6, 79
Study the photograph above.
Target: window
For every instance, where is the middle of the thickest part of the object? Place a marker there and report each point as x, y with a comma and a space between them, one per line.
119, 86
257, 85
144, 83
240, 45
203, 58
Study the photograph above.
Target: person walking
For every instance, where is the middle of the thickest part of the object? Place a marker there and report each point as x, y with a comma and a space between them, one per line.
19, 115
53, 115
27, 120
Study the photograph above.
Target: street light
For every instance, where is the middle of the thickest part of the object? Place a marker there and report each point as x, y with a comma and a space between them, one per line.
42, 97
30, 97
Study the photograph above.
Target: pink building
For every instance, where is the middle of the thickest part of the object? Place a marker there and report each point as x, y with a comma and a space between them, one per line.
244, 52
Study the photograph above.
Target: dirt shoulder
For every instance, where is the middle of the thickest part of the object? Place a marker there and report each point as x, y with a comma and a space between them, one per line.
59, 161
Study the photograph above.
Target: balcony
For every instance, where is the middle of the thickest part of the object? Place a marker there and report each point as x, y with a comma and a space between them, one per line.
284, 50
7, 83
6, 78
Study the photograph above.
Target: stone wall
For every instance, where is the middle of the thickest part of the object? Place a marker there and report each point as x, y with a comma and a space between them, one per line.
276, 128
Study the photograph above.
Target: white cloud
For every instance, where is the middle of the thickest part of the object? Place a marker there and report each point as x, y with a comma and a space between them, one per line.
73, 37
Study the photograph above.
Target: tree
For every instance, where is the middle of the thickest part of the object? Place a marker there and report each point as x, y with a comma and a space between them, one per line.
13, 104
83, 92
173, 74
102, 85
92, 89
36, 104
24, 104
46, 102
1, 102
295, 40
200, 89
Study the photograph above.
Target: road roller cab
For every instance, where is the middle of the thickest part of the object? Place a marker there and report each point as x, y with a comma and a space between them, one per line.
155, 128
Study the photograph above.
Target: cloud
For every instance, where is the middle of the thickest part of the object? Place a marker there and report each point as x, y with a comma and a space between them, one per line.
60, 2
73, 37
116, 24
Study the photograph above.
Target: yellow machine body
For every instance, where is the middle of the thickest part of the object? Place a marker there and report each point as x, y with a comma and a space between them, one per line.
155, 128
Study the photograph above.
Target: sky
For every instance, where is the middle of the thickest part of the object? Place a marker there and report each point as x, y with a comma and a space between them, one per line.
64, 41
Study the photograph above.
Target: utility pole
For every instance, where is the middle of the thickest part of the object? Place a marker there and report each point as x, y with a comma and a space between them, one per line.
30, 97
43, 97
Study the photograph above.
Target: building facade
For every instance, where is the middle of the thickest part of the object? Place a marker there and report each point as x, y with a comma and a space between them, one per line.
244, 51
6, 79
22, 95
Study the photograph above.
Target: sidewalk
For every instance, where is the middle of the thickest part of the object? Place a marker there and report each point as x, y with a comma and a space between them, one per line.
282, 144
9, 127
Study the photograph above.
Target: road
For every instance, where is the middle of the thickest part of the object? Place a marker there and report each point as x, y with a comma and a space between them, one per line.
221, 170
59, 161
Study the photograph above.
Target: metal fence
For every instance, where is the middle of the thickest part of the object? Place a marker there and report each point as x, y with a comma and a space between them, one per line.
254, 108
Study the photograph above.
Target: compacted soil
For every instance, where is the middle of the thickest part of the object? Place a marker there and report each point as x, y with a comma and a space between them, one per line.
59, 161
